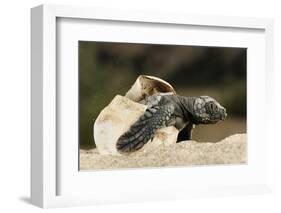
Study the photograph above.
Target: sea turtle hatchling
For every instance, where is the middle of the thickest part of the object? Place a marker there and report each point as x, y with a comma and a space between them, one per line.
167, 109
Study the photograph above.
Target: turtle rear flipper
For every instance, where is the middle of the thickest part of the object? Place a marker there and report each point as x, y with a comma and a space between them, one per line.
144, 128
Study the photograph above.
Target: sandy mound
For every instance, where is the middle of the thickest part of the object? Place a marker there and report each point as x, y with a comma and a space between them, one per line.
231, 150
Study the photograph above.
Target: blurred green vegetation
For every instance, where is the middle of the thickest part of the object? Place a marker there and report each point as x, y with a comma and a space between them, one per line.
107, 69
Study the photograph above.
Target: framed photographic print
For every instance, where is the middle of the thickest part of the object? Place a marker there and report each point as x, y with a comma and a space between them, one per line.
130, 106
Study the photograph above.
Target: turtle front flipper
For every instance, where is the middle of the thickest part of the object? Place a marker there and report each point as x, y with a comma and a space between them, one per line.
185, 133
143, 129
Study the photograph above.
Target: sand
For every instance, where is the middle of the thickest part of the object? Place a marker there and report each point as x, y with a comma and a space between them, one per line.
231, 150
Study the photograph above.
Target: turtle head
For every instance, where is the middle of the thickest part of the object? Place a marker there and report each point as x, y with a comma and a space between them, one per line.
207, 110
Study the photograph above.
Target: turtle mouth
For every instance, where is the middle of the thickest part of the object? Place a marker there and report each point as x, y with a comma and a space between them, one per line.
223, 117
223, 114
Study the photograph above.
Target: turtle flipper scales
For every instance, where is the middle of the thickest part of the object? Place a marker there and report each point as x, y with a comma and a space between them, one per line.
155, 117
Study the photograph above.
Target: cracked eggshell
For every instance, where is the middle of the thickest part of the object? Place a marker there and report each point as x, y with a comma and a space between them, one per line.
116, 118
146, 85
113, 121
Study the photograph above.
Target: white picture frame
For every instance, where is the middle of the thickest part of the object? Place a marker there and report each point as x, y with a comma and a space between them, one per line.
46, 170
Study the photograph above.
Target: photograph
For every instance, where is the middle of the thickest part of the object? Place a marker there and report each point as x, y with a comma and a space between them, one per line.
161, 105
145, 104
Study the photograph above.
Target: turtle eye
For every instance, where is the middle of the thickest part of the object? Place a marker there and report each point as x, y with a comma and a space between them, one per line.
215, 109
211, 108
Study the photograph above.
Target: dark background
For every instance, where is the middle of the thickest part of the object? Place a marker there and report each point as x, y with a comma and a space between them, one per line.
107, 69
